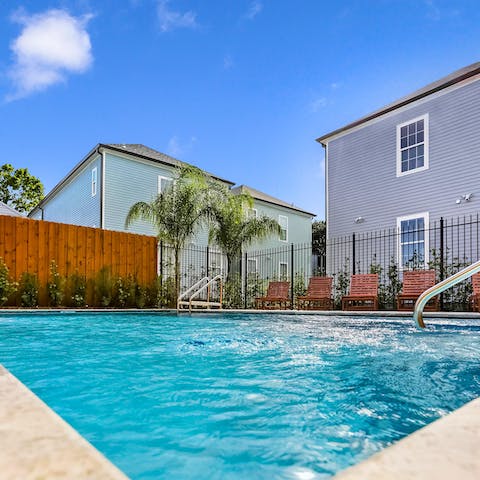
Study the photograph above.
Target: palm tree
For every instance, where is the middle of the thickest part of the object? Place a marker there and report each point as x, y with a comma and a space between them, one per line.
233, 228
177, 212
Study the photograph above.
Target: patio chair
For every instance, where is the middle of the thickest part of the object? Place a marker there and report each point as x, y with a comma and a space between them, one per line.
415, 282
319, 295
476, 292
363, 293
277, 297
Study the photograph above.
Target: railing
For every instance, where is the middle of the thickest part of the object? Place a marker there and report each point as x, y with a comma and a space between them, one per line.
197, 289
439, 288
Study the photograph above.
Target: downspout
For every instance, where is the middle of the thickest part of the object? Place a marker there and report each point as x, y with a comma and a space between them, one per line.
102, 196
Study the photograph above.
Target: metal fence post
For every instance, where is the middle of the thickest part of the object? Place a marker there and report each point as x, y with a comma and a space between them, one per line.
245, 285
208, 261
161, 263
354, 260
442, 257
292, 276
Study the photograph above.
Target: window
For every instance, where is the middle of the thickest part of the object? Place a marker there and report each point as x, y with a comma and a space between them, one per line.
412, 146
413, 241
283, 222
283, 270
163, 183
251, 266
252, 213
94, 181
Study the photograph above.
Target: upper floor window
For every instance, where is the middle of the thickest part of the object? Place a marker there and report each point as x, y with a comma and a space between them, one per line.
412, 146
413, 241
163, 183
283, 222
94, 181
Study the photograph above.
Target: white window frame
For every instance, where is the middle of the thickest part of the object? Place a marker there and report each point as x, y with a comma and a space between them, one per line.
280, 269
426, 135
94, 181
159, 185
426, 237
255, 270
252, 213
213, 266
286, 228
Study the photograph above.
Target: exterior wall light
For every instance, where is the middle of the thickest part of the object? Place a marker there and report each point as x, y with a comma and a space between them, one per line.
359, 220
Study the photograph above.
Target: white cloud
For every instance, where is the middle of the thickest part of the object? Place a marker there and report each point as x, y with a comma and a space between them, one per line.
318, 104
255, 8
176, 148
50, 45
170, 19
228, 62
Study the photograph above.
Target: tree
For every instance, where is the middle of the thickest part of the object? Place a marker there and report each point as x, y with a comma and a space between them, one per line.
233, 229
319, 237
176, 212
19, 189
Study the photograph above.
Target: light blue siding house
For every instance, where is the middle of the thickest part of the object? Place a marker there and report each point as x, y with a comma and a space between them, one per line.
407, 165
99, 191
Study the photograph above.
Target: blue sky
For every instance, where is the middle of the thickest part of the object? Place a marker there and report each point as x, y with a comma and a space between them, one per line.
238, 87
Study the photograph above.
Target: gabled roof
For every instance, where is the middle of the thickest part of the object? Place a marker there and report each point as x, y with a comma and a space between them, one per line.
8, 210
149, 153
258, 195
135, 149
451, 79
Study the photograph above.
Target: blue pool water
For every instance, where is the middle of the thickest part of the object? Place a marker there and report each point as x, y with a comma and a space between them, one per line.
241, 396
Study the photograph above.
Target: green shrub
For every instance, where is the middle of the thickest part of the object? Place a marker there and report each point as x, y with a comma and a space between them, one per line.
103, 287
28, 290
55, 286
121, 292
7, 287
77, 286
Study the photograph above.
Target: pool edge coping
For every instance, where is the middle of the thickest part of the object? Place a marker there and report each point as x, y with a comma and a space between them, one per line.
445, 449
36, 442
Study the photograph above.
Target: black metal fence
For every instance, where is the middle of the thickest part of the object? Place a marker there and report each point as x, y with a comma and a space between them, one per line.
247, 277
446, 245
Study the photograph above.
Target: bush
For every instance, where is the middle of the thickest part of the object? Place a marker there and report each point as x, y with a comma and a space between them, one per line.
29, 290
103, 287
122, 292
7, 287
77, 286
55, 286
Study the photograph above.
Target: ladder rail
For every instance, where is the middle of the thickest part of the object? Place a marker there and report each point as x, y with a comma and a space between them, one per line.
207, 285
439, 288
193, 287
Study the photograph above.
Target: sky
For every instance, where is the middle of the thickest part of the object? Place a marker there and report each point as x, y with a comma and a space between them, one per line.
240, 88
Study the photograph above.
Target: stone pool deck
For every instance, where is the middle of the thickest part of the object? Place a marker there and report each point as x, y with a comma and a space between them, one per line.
36, 444
444, 450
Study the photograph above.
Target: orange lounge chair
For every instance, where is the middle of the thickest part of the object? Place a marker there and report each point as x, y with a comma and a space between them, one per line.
277, 297
415, 282
476, 292
319, 295
363, 293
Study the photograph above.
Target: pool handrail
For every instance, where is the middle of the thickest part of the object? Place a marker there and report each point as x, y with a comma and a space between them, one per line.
423, 299
208, 303
191, 289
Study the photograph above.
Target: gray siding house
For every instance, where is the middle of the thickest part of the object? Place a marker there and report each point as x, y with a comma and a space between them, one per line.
8, 210
407, 165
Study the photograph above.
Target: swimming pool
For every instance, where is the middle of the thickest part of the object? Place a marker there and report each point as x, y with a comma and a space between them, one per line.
236, 396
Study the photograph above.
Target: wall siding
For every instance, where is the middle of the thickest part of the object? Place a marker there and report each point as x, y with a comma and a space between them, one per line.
74, 203
362, 177
126, 182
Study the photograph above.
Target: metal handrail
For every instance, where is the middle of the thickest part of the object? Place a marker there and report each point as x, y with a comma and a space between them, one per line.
193, 287
439, 288
201, 289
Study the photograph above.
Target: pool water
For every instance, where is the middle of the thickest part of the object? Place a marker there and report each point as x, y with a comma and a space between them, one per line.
241, 396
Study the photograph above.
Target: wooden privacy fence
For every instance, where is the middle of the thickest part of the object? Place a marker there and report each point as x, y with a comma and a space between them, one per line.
30, 245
